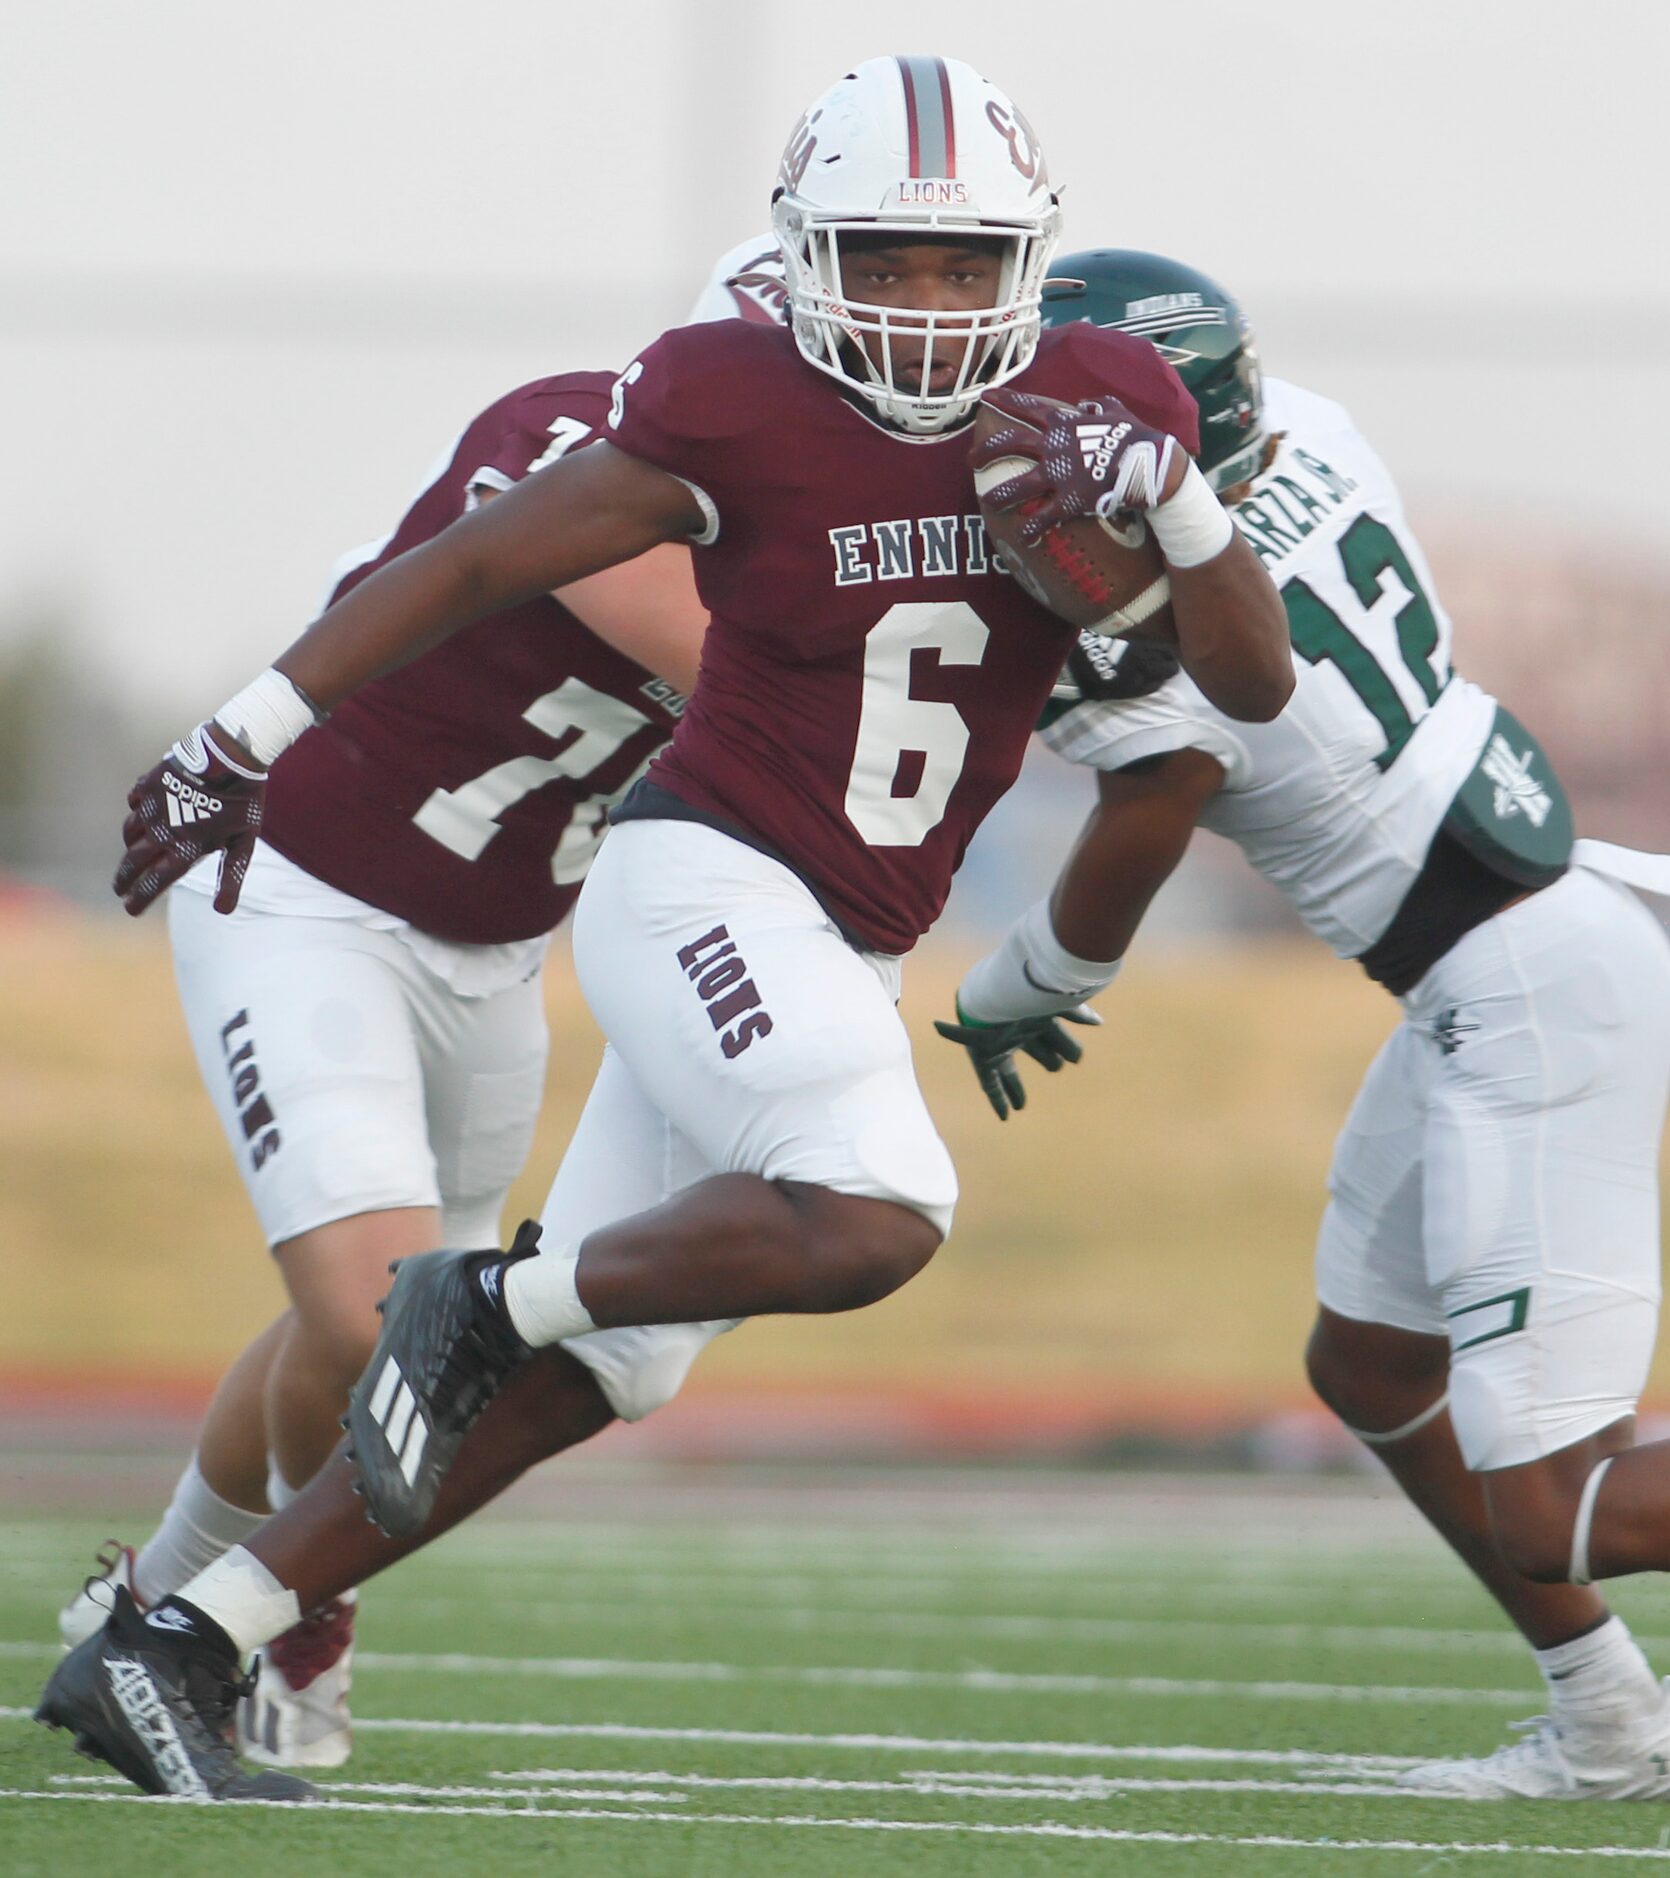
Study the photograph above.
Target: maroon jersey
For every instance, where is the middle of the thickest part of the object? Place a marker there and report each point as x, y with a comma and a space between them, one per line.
871, 676
467, 791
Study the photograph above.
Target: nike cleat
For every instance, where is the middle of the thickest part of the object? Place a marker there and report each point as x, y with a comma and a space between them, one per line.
154, 1697
1557, 1763
447, 1347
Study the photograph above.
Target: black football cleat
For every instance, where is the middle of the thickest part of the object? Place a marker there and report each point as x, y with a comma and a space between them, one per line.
446, 1348
154, 1696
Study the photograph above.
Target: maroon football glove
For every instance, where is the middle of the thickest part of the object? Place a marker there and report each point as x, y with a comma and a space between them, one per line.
1093, 458
207, 793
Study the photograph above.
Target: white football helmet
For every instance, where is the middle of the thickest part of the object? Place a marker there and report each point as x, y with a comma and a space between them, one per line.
917, 146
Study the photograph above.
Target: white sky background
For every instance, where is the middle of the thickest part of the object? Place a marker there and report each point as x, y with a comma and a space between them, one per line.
258, 265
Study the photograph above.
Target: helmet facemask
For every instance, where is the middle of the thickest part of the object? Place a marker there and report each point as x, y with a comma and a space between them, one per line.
988, 345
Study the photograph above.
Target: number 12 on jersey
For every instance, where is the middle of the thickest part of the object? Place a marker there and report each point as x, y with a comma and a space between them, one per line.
1368, 552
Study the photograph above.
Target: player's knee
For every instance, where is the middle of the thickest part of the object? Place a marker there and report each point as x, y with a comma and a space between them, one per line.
338, 1344
1333, 1375
873, 1248
1373, 1376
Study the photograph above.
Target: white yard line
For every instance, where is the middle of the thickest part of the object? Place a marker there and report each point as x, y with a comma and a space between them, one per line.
975, 1828
579, 1783
975, 1681
971, 1562
872, 1743
975, 1786
1024, 1628
980, 1681
863, 1590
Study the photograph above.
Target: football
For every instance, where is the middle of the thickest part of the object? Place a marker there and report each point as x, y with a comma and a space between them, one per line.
1109, 575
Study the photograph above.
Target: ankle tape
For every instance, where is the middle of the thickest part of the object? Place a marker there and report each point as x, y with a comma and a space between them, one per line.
1579, 1573
1411, 1427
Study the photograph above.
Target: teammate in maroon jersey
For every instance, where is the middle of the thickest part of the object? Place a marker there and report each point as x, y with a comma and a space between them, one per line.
755, 1140
368, 1021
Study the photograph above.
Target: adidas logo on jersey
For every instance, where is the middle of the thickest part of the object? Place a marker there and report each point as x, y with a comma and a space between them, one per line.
186, 802
1099, 445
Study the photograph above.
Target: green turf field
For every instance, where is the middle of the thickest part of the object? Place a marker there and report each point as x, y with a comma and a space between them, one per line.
736, 1674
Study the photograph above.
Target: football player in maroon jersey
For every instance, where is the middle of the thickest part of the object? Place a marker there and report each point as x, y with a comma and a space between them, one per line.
755, 1140
368, 1021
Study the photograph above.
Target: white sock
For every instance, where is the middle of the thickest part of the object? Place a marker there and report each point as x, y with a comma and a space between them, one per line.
198, 1526
542, 1300
1600, 1678
244, 1598
279, 1491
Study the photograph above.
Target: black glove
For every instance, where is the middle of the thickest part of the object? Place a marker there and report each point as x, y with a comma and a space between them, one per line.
991, 1049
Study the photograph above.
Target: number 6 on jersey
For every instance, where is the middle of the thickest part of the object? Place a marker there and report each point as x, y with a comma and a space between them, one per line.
910, 750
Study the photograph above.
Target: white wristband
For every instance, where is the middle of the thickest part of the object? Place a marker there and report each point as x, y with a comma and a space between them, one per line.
1031, 974
1192, 526
268, 716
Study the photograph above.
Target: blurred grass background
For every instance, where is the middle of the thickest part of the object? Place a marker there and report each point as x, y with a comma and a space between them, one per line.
1142, 1232
1146, 1224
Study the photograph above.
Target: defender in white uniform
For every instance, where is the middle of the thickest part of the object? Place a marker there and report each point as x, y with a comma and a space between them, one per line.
1488, 1265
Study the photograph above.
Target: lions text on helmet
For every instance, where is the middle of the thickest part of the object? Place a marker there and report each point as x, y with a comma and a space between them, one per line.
916, 222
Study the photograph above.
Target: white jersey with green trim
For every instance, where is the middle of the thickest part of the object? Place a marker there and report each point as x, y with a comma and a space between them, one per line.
1335, 803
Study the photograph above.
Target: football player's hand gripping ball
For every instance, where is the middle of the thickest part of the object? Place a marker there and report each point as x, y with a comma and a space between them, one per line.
1095, 458
991, 1049
207, 793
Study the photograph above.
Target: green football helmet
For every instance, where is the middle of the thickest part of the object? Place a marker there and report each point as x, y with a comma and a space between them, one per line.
1198, 328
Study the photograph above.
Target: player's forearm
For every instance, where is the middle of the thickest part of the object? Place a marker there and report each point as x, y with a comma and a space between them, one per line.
1110, 879
386, 621
591, 511
1232, 634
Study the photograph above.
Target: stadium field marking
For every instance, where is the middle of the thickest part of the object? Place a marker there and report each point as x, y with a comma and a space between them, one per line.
874, 1589
1020, 1627
978, 1681
981, 1681
871, 1743
1062, 1546
578, 1783
968, 1786
929, 1562
1108, 1835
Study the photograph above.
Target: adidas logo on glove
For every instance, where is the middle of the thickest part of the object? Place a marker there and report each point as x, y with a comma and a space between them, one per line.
1099, 445
186, 802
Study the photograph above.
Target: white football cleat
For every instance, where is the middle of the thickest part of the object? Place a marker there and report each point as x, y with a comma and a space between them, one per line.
90, 1608
297, 1713
1556, 1763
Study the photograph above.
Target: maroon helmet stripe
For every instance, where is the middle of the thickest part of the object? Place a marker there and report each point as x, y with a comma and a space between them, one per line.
927, 84
912, 128
946, 114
